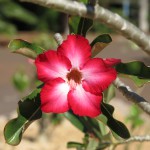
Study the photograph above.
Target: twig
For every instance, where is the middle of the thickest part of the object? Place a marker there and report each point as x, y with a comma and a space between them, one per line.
144, 138
101, 14
132, 96
58, 38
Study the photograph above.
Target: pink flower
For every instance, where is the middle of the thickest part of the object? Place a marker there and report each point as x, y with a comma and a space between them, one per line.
73, 80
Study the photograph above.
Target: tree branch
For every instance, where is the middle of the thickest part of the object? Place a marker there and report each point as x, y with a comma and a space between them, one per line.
58, 38
144, 138
131, 96
101, 14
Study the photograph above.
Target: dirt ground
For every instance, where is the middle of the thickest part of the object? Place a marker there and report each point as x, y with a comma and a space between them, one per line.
59, 135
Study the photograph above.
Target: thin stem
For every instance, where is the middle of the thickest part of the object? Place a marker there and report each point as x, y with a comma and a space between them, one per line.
132, 96
144, 138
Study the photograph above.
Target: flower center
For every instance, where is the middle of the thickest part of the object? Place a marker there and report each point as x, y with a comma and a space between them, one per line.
74, 77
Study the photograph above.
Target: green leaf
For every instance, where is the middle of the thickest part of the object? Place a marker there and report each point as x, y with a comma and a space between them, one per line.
116, 126
139, 82
73, 24
92, 126
109, 93
74, 120
99, 43
102, 128
28, 111
84, 124
84, 1
104, 120
13, 130
25, 48
84, 26
93, 144
103, 145
103, 38
136, 70
76, 145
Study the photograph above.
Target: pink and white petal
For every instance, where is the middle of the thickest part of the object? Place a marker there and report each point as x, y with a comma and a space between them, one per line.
51, 65
93, 89
96, 76
54, 96
93, 65
100, 81
110, 62
77, 49
84, 103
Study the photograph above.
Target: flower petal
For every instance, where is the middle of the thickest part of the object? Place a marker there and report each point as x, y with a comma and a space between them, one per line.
97, 76
51, 65
84, 103
110, 62
54, 96
77, 49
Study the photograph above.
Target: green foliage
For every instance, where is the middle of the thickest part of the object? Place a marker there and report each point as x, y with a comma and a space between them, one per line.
75, 120
134, 117
136, 70
116, 126
78, 146
137, 81
79, 25
90, 126
84, 26
89, 142
15, 16
20, 81
28, 111
92, 144
103, 38
99, 43
13, 130
30, 50
11, 10
84, 1
84, 124
109, 93
47, 20
56, 119
45, 41
6, 27
73, 24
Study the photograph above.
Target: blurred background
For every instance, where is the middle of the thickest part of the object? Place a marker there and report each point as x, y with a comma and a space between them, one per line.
16, 16
37, 24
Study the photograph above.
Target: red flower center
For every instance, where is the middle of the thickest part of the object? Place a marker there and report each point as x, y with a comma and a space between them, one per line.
74, 77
